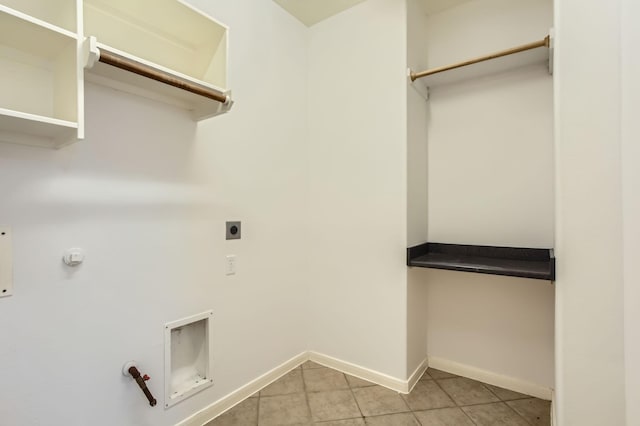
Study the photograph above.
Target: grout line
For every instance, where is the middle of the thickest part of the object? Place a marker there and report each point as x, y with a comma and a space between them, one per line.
446, 393
517, 414
416, 417
323, 422
306, 395
504, 402
500, 401
411, 410
414, 387
477, 404
354, 396
258, 410
378, 415
454, 401
520, 399
492, 392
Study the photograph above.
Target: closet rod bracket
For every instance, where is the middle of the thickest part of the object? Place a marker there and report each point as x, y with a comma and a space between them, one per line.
419, 86
90, 52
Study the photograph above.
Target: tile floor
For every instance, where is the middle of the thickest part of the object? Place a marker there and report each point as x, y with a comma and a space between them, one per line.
315, 395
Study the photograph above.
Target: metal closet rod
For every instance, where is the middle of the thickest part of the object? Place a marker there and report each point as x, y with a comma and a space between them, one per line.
534, 45
145, 71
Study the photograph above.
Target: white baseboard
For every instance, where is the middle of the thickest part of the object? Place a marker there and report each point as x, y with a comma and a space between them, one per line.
229, 401
376, 377
507, 382
403, 386
415, 377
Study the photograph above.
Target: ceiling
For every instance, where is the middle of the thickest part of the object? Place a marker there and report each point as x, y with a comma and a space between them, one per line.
435, 6
313, 11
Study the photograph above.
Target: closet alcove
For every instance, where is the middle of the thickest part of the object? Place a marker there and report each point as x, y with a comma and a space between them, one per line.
480, 188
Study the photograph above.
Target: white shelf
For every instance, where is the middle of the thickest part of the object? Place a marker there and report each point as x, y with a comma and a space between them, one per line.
53, 13
38, 80
172, 34
540, 55
173, 38
37, 130
200, 107
31, 35
42, 61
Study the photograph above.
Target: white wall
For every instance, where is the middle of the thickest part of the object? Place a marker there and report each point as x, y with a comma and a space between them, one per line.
589, 237
417, 127
146, 195
357, 186
498, 324
491, 139
490, 182
417, 116
631, 203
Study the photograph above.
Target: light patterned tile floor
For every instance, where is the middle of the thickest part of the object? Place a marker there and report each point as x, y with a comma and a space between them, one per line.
315, 395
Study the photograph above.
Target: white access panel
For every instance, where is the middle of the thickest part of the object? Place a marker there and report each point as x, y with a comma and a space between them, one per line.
187, 357
6, 269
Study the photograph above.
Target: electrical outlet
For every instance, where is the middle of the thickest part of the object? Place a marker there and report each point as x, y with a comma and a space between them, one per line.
231, 264
233, 230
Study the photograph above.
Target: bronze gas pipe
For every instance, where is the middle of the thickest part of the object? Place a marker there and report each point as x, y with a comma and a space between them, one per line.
132, 370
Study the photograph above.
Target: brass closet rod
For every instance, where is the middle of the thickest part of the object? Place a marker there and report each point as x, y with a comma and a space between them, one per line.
535, 45
136, 68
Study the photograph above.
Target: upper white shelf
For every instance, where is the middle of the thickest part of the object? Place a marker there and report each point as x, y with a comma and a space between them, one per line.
201, 107
31, 35
38, 79
535, 53
162, 49
163, 36
59, 13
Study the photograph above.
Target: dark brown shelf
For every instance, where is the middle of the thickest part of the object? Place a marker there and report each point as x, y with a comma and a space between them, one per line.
510, 261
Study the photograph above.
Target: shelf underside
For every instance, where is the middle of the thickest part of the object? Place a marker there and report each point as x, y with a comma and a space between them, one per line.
509, 261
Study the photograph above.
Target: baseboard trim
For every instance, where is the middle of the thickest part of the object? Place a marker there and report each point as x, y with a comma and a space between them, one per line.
403, 386
229, 401
417, 374
507, 382
376, 377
